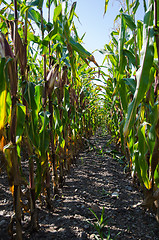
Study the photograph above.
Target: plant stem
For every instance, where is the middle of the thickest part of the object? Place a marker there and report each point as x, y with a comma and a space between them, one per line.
13, 138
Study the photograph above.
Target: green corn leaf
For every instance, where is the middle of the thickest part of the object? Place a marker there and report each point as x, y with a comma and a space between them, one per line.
35, 39
66, 97
49, 2
113, 60
45, 119
33, 3
129, 21
123, 94
131, 83
115, 41
72, 12
145, 7
135, 6
29, 96
136, 162
21, 113
148, 17
36, 17
8, 104
44, 134
151, 138
128, 7
152, 131
24, 8
142, 145
40, 4
129, 42
107, 46
156, 175
121, 44
3, 95
61, 142
139, 35
51, 36
57, 12
121, 134
142, 76
79, 48
130, 56
106, 6
32, 14
38, 176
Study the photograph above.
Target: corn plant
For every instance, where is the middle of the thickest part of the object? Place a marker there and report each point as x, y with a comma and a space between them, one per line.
46, 100
132, 57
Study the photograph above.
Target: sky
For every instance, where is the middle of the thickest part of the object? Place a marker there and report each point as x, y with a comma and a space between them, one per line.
96, 26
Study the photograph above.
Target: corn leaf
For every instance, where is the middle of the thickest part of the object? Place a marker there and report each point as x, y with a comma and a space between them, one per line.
36, 17
72, 12
129, 21
130, 56
21, 113
57, 12
29, 96
142, 145
44, 134
145, 7
131, 83
123, 94
121, 44
135, 6
139, 35
156, 176
142, 76
49, 2
106, 6
3, 95
79, 48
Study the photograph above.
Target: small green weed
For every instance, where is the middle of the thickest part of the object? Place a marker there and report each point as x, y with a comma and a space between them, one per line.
99, 225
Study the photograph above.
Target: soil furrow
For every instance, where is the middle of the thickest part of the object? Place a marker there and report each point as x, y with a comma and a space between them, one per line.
97, 180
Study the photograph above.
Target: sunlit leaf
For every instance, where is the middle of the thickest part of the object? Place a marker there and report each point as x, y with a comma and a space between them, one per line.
57, 12
49, 2
142, 76
135, 6
121, 44
106, 6
3, 95
79, 48
129, 21
72, 13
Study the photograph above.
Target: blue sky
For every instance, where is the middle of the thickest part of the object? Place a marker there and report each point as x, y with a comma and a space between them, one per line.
96, 26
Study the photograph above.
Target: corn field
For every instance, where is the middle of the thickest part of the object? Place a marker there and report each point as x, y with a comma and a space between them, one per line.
131, 94
49, 103
46, 100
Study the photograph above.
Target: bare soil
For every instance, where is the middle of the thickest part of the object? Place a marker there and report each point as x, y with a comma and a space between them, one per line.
98, 179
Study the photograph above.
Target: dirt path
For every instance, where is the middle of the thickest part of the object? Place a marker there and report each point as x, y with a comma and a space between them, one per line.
96, 181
